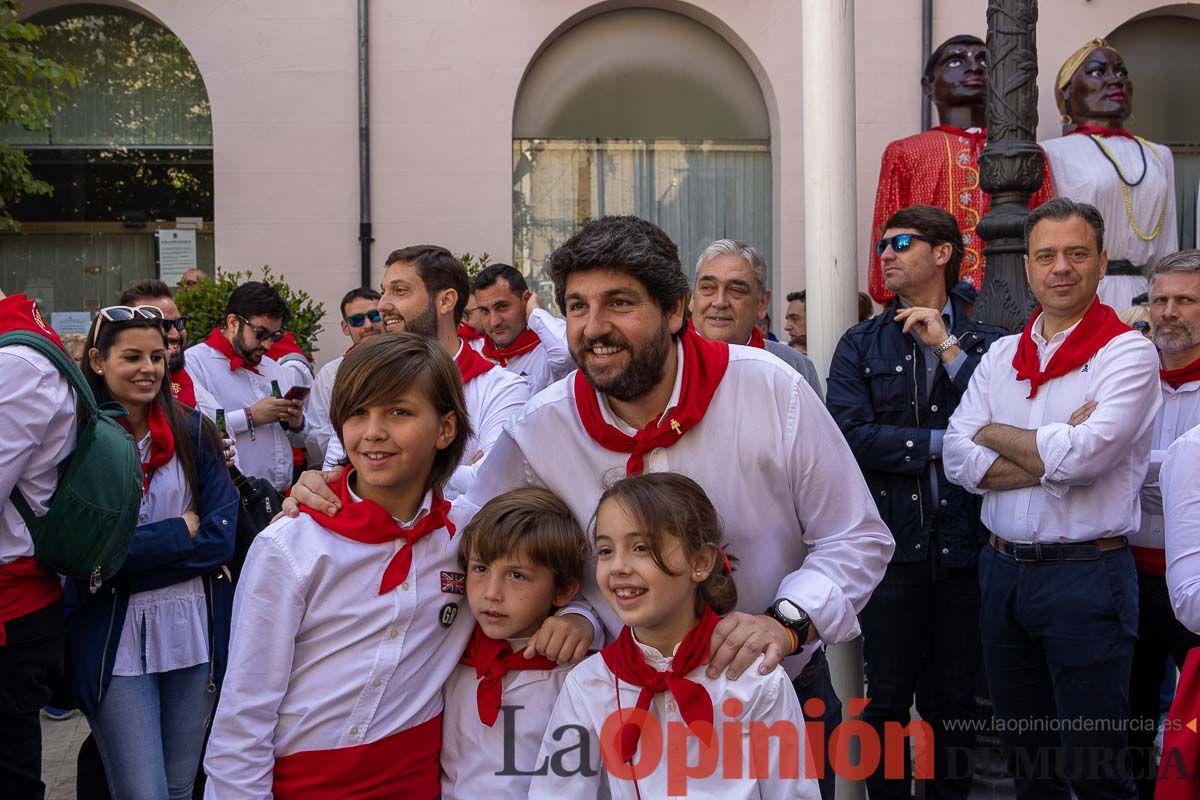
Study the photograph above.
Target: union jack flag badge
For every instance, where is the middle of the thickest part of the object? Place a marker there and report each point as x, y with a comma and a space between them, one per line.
454, 583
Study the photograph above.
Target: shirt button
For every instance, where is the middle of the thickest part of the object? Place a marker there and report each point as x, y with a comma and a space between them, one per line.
908, 443
867, 370
354, 731
883, 492
918, 546
393, 633
933, 408
943, 502
908, 458
908, 358
404, 586
375, 683
915, 497
945, 551
899, 368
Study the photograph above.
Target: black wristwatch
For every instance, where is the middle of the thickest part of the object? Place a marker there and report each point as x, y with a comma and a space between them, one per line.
792, 617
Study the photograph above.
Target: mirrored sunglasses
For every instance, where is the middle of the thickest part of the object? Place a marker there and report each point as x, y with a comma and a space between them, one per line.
900, 242
358, 320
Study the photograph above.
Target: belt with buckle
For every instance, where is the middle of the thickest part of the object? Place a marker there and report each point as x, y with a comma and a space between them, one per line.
1069, 551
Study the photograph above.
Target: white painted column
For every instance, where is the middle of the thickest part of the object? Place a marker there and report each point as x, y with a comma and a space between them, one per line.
830, 231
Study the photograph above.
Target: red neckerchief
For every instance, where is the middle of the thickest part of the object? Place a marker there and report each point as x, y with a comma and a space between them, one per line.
1099, 326
19, 313
367, 522
979, 137
470, 364
286, 346
626, 660
525, 342
1178, 377
217, 341
1179, 768
1097, 130
183, 388
704, 364
467, 333
492, 660
162, 442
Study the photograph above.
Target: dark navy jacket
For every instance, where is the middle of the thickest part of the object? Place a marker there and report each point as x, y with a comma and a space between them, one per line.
877, 396
161, 554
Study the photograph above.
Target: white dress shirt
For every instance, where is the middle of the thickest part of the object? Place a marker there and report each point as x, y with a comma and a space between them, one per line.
1181, 509
590, 696
269, 454
1094, 471
1083, 173
550, 360
206, 404
319, 660
167, 628
492, 399
796, 510
473, 753
1179, 413
317, 427
37, 431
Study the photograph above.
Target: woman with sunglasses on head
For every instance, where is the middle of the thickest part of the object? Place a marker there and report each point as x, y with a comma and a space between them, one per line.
232, 364
146, 653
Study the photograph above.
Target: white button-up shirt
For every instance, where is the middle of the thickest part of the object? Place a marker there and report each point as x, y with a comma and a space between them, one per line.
796, 510
1179, 413
319, 660
473, 753
549, 361
492, 399
269, 454
1094, 471
37, 431
317, 427
1181, 509
590, 696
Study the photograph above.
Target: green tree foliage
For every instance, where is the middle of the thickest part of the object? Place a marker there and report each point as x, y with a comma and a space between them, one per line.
204, 305
31, 90
474, 263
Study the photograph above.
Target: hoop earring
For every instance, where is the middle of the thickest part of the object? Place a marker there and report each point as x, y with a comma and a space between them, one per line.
1066, 119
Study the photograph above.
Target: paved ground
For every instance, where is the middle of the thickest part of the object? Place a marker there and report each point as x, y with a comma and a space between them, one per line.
60, 744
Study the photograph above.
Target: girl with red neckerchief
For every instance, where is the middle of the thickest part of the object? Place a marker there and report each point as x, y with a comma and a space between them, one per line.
146, 655
661, 565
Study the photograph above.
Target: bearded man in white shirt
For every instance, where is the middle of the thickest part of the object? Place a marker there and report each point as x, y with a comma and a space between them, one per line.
425, 291
1054, 431
651, 395
731, 295
1175, 320
519, 334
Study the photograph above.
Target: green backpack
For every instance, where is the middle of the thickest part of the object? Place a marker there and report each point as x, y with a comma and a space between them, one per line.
86, 531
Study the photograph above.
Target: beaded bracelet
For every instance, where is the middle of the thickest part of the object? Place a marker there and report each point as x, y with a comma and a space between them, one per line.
249, 422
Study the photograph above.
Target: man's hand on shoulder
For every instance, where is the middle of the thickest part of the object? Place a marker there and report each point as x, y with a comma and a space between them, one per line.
313, 491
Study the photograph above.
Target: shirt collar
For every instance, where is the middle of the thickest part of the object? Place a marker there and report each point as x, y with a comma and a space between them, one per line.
426, 505
653, 657
623, 426
1056, 339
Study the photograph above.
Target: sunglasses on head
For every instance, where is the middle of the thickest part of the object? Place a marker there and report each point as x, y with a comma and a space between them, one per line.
262, 334
900, 242
358, 320
128, 314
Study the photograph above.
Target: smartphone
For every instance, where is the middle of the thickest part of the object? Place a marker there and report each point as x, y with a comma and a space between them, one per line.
297, 393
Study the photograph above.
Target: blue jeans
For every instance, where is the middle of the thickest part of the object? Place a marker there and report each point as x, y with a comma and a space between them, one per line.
150, 731
1058, 649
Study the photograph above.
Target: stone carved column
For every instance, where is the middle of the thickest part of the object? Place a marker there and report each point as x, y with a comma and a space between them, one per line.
1010, 166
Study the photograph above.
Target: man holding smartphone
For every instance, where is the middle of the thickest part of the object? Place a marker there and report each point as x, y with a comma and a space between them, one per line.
233, 365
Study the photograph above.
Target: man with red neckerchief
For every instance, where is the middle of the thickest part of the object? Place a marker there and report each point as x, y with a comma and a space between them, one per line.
940, 167
519, 334
37, 431
1175, 317
1054, 431
425, 289
650, 395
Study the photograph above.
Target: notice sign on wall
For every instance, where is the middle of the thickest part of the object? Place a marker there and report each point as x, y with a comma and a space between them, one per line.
176, 254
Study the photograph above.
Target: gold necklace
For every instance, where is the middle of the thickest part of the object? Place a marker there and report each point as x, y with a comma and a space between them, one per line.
1125, 193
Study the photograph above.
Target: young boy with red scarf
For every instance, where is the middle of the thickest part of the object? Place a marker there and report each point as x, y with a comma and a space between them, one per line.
522, 557
346, 627
653, 723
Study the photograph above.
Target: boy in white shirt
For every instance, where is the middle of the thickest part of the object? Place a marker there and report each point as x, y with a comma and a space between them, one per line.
523, 555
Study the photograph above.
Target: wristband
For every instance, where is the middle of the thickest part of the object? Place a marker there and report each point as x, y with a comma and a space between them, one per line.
249, 422
793, 640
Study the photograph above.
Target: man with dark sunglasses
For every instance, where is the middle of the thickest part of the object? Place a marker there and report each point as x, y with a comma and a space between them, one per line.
233, 365
360, 321
893, 384
156, 294
940, 167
